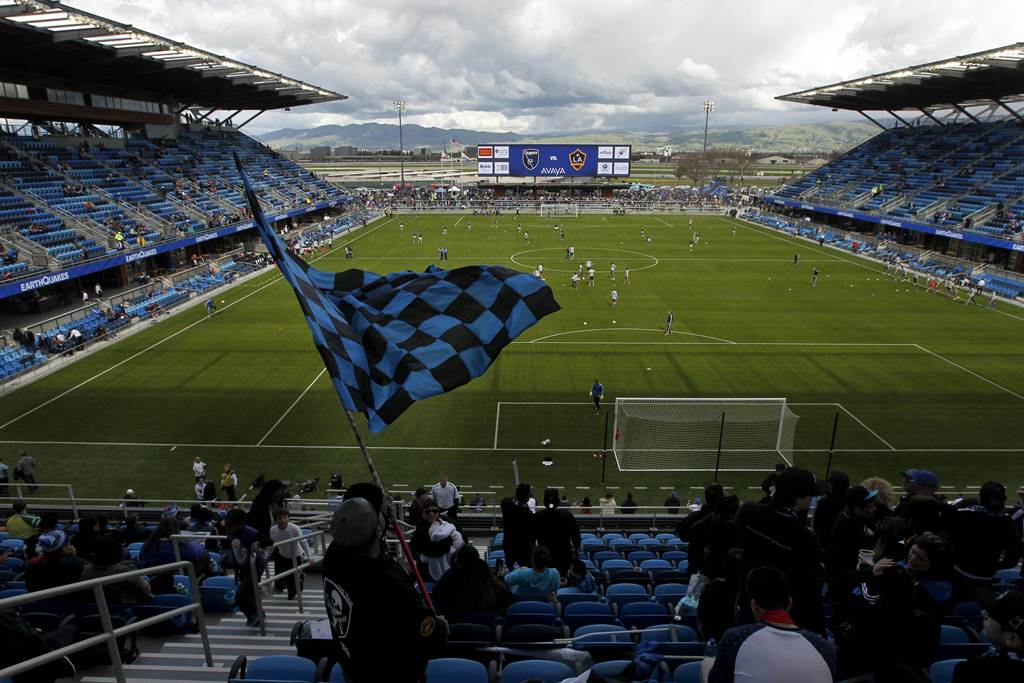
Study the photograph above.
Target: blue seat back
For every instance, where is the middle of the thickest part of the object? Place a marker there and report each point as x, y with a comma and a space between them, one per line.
548, 672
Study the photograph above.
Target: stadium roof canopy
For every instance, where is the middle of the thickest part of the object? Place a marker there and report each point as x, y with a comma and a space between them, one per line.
983, 78
55, 46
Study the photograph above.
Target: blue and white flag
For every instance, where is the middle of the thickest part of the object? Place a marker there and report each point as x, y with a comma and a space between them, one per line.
390, 340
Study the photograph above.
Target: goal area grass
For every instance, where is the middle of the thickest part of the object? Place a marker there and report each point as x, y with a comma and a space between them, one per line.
917, 379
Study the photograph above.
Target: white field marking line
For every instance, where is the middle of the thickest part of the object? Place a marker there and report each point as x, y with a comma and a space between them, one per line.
821, 250
294, 403
627, 329
862, 424
497, 421
168, 337
661, 221
338, 446
460, 220
513, 257
971, 372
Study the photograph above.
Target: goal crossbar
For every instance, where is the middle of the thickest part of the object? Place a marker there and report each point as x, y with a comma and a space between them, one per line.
703, 434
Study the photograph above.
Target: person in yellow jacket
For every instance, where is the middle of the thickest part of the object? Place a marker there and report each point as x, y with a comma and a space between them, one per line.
228, 482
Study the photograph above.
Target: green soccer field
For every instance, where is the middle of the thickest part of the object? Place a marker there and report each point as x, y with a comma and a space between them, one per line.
917, 378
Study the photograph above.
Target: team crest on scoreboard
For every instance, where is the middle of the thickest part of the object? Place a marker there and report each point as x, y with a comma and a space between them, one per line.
577, 158
531, 158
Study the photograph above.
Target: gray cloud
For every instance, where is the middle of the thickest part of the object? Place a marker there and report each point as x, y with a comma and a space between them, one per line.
537, 66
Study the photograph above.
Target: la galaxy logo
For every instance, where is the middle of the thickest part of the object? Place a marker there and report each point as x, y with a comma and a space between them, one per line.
531, 158
577, 158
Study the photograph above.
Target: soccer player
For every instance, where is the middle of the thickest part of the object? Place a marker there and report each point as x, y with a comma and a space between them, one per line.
581, 271
401, 226
589, 264
796, 258
615, 298
590, 277
625, 278
444, 232
540, 269
575, 279
572, 252
612, 274
970, 296
643, 233
561, 235
814, 276
348, 252
567, 257
211, 308
526, 237
596, 393
734, 231
668, 322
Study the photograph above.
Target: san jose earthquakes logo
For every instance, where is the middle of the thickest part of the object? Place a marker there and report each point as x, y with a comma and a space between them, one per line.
577, 158
531, 158
339, 608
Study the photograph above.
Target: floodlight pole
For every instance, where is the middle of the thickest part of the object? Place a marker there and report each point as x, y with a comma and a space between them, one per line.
708, 106
400, 105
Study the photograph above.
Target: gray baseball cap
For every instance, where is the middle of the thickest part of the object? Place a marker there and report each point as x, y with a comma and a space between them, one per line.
354, 524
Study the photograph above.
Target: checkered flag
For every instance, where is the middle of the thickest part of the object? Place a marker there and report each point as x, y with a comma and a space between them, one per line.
390, 340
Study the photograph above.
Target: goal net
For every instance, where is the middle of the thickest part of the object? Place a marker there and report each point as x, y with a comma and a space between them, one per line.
682, 434
572, 210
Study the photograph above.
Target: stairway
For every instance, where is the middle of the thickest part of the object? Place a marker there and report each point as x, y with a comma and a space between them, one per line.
180, 658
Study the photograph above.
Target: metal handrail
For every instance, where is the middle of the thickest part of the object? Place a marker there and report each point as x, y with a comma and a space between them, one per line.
296, 569
110, 634
16, 485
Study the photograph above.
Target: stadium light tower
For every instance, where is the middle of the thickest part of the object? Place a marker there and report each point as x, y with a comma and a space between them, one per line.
708, 106
400, 106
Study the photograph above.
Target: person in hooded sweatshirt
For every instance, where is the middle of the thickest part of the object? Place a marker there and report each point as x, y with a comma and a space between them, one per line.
556, 528
517, 525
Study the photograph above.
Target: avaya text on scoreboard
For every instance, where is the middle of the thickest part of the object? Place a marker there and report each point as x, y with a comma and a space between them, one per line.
587, 161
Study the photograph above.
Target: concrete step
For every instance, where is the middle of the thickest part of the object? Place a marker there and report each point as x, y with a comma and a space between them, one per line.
277, 646
150, 673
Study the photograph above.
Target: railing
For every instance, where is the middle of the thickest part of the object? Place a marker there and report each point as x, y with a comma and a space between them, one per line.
110, 634
297, 569
18, 485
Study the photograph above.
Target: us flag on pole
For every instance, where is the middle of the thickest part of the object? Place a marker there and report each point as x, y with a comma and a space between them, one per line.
390, 340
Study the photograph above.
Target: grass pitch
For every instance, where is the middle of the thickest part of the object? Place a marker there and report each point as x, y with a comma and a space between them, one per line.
917, 378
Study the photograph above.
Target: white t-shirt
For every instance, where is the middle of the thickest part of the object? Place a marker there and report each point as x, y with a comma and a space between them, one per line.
199, 468
768, 654
444, 496
615, 295
591, 273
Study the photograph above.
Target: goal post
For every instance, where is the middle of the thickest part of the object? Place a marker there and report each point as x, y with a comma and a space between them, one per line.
564, 210
683, 434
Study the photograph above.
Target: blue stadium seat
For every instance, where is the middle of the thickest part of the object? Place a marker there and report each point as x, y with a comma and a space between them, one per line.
611, 669
218, 594
584, 613
688, 672
453, 670
273, 668
621, 594
640, 615
942, 671
669, 594
548, 672
567, 596
953, 634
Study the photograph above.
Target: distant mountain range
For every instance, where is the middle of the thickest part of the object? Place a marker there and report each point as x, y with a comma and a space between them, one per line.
806, 138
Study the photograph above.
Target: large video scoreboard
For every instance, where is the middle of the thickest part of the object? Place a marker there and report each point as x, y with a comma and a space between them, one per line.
586, 161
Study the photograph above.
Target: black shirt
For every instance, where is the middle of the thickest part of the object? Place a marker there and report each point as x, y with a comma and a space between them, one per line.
519, 533
995, 667
373, 605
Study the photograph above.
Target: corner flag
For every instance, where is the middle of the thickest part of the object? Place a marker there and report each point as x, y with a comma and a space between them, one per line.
390, 340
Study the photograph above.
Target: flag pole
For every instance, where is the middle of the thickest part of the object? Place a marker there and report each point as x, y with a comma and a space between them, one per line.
395, 526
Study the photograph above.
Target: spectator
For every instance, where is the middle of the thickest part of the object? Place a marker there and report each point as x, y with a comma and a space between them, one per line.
773, 648
830, 506
20, 641
132, 531
773, 535
469, 586
55, 564
438, 530
712, 493
918, 483
48, 521
518, 528
883, 501
1004, 627
558, 532
768, 485
419, 497
25, 469
984, 539
4, 478
108, 559
580, 579
540, 579
158, 550
21, 524
850, 533
198, 468
446, 495
713, 537
200, 488
246, 543
289, 555
585, 507
478, 503
672, 503
131, 499
85, 540
608, 504
261, 512
629, 506
367, 594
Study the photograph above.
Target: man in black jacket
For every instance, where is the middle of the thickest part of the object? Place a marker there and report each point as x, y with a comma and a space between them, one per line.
1004, 626
712, 493
558, 531
773, 535
984, 539
518, 528
371, 600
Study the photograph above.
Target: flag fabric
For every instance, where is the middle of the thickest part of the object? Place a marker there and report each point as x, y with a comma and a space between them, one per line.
390, 340
456, 145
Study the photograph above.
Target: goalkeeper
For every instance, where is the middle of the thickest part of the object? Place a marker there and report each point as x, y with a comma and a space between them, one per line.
597, 392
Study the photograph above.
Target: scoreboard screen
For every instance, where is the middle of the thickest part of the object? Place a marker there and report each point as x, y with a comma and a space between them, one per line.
585, 161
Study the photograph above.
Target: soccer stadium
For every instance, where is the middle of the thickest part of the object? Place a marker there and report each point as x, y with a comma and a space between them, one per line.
551, 409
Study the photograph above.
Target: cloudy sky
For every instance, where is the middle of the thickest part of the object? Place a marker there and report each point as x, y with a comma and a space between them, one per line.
539, 66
